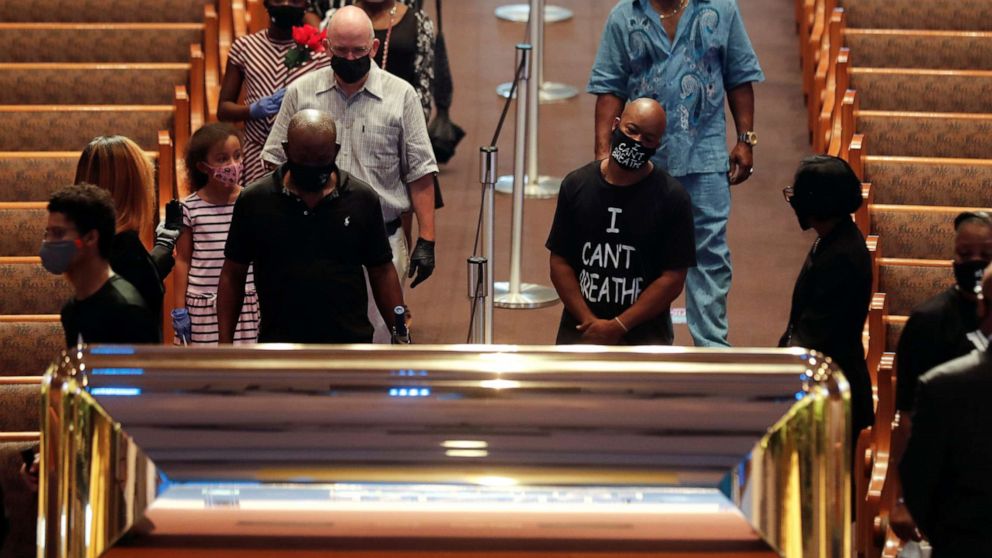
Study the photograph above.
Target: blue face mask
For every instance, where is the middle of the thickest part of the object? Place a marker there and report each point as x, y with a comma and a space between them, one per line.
57, 255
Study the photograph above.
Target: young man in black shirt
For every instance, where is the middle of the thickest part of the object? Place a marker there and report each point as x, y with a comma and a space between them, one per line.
105, 308
308, 228
622, 240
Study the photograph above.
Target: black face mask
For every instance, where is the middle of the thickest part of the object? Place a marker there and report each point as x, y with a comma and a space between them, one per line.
310, 179
286, 17
969, 274
629, 153
801, 215
351, 71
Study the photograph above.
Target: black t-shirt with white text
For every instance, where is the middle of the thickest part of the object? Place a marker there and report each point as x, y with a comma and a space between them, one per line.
619, 239
115, 313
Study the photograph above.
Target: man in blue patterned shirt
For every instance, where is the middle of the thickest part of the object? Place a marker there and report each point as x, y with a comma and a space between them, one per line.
688, 55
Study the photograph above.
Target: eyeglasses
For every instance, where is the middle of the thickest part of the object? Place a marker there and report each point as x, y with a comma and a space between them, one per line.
344, 52
788, 192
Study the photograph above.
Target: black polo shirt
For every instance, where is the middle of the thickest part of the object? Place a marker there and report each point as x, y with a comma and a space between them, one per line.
308, 262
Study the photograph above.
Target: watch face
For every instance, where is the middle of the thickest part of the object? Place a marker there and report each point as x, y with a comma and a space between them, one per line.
749, 138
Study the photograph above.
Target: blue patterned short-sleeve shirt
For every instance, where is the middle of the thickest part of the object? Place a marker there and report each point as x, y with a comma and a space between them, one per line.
711, 54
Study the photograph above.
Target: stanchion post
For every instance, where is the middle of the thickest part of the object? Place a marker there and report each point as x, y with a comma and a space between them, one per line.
550, 92
520, 13
480, 273
514, 293
535, 185
478, 295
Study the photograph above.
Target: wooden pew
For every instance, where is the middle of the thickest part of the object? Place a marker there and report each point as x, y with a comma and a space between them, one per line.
945, 91
34, 175
907, 283
899, 48
22, 225
102, 11
90, 83
927, 134
929, 180
29, 289
20, 403
916, 231
71, 127
97, 42
959, 15
29, 342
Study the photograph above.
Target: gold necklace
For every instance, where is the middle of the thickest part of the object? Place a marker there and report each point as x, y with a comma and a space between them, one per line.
663, 16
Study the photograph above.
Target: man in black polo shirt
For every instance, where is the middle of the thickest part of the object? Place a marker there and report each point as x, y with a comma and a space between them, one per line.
308, 228
105, 308
622, 240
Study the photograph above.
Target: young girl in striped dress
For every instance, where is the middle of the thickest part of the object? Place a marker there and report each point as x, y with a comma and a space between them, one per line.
214, 166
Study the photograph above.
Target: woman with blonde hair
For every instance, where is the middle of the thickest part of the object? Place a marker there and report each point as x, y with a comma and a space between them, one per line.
118, 165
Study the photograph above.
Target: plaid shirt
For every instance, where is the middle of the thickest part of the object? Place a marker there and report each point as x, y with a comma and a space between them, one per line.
381, 131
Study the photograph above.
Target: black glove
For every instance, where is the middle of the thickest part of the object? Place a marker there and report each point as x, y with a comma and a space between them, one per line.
173, 215
421, 261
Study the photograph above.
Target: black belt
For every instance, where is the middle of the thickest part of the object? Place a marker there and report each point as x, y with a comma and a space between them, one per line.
393, 226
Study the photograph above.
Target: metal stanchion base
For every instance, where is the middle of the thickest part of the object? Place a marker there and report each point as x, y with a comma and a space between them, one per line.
520, 13
550, 92
530, 296
546, 187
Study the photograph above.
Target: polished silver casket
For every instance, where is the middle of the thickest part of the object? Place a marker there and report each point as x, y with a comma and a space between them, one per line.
273, 450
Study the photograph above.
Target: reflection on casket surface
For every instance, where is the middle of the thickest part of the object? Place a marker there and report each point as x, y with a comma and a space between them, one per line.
431, 447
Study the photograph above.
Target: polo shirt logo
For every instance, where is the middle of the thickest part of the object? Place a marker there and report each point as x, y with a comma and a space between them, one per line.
347, 220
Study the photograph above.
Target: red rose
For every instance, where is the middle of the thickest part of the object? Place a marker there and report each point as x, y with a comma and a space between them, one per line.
316, 42
302, 33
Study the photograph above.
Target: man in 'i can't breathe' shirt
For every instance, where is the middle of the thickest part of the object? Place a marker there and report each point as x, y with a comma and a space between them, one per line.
622, 240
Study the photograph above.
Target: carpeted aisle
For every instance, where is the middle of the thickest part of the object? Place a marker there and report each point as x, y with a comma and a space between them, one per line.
766, 244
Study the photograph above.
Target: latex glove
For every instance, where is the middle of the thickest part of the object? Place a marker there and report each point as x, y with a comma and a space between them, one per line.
266, 106
166, 237
182, 325
421, 261
168, 231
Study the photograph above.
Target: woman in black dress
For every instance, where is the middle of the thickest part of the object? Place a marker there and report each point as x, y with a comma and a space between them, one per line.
118, 165
832, 294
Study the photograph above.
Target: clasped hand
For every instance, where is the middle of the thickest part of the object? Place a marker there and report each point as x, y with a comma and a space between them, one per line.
600, 332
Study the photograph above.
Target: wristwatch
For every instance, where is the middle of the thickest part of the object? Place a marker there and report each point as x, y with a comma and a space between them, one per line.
749, 138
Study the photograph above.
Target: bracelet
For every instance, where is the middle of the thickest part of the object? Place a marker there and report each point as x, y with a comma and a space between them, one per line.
625, 330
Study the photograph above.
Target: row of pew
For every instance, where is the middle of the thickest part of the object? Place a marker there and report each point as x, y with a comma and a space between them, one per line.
70, 71
903, 96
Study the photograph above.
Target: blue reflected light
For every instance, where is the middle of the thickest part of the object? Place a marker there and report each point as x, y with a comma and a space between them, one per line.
117, 371
116, 391
800, 395
409, 392
112, 350
409, 373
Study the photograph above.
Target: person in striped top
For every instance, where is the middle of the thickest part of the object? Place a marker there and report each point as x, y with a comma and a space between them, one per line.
257, 62
214, 162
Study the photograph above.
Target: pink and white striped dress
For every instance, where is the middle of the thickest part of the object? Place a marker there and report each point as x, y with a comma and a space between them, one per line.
261, 61
209, 225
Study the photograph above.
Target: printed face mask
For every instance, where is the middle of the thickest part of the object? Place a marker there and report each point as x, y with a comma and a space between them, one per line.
310, 179
57, 255
629, 153
229, 174
351, 71
969, 274
286, 17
